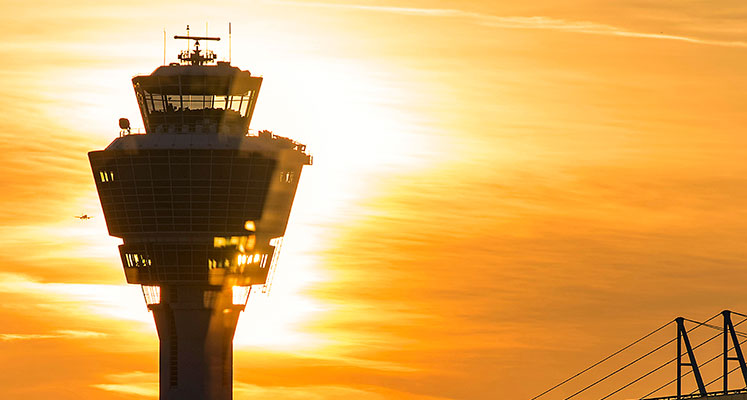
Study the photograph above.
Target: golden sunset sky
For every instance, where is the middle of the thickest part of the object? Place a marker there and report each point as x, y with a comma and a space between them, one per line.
502, 192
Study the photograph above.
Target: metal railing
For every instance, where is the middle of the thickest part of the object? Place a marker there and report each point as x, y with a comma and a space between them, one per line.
251, 133
136, 131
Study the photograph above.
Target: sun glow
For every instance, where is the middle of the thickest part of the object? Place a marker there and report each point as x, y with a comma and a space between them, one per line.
354, 130
356, 136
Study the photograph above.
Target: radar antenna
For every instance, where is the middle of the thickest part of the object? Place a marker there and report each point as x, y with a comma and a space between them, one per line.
196, 57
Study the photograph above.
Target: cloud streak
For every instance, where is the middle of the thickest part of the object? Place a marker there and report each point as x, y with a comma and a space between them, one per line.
146, 384
61, 334
111, 301
137, 382
524, 22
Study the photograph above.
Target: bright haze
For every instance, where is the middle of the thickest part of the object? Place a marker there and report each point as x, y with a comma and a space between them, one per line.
501, 195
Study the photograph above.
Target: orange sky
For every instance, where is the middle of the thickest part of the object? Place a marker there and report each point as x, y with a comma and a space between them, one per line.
500, 196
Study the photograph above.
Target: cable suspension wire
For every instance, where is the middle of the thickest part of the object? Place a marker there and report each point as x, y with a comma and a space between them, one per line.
642, 357
718, 328
603, 360
719, 378
639, 378
658, 368
674, 359
687, 373
740, 314
620, 369
717, 356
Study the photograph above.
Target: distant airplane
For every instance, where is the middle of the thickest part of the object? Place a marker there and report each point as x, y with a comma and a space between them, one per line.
83, 217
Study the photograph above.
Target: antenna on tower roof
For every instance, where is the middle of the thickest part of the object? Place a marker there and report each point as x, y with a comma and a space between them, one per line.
195, 57
229, 42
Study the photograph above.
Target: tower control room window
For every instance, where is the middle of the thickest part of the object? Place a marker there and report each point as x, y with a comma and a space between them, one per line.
219, 263
177, 113
158, 103
106, 176
135, 260
286, 177
152, 294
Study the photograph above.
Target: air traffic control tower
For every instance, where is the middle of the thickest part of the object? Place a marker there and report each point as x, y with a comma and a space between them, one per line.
201, 207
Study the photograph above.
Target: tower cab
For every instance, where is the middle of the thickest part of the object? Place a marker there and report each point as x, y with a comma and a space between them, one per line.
193, 97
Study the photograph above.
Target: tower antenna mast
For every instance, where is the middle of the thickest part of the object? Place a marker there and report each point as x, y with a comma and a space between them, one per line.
196, 57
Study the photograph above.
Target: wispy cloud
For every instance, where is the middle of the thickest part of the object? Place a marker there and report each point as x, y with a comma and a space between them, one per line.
111, 301
61, 334
146, 384
136, 382
526, 22
128, 388
324, 392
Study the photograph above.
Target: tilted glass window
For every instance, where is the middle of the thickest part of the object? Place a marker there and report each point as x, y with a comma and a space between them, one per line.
240, 295
134, 260
174, 113
152, 294
106, 176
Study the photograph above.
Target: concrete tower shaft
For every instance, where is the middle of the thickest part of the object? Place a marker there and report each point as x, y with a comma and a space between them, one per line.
201, 208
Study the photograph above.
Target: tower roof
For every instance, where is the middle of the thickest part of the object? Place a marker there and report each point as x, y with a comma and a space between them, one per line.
218, 79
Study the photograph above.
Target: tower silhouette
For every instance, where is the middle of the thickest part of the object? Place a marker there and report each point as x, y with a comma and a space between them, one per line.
201, 207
